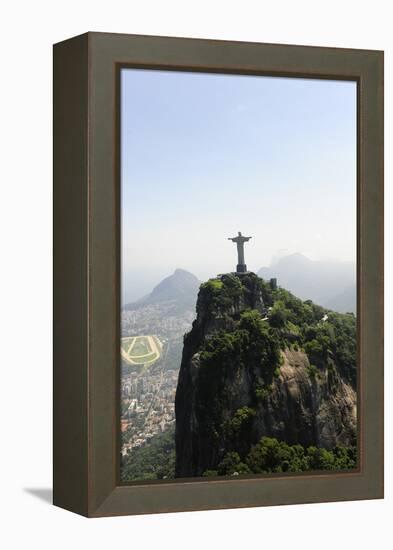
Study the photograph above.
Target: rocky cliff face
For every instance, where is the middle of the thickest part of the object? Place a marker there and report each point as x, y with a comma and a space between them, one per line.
259, 362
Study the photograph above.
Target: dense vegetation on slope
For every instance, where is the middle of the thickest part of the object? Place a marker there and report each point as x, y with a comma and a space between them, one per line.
232, 383
155, 460
273, 456
232, 390
328, 338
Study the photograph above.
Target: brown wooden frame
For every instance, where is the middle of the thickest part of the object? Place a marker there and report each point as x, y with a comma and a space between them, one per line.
87, 261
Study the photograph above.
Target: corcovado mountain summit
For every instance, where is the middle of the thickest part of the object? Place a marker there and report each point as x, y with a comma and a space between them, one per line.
267, 382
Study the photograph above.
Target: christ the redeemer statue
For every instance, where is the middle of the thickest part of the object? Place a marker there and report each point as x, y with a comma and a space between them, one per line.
240, 240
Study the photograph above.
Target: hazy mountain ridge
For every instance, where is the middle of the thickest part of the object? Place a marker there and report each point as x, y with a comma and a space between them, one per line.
178, 291
344, 301
331, 284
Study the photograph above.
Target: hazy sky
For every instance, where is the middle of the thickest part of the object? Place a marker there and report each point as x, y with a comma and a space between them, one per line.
205, 156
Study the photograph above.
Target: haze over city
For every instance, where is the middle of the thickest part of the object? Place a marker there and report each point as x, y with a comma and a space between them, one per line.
205, 156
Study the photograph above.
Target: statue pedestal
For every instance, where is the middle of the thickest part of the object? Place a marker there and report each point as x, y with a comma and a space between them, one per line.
241, 268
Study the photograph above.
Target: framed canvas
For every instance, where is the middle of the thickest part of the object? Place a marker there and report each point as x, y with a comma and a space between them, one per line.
218, 274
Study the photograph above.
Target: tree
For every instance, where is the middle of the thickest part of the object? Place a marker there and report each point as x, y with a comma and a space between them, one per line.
278, 316
231, 464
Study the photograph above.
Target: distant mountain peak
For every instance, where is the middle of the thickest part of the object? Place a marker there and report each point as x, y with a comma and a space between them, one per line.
181, 288
323, 281
296, 258
184, 274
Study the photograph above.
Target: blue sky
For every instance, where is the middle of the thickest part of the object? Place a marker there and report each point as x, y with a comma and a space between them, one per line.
205, 156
